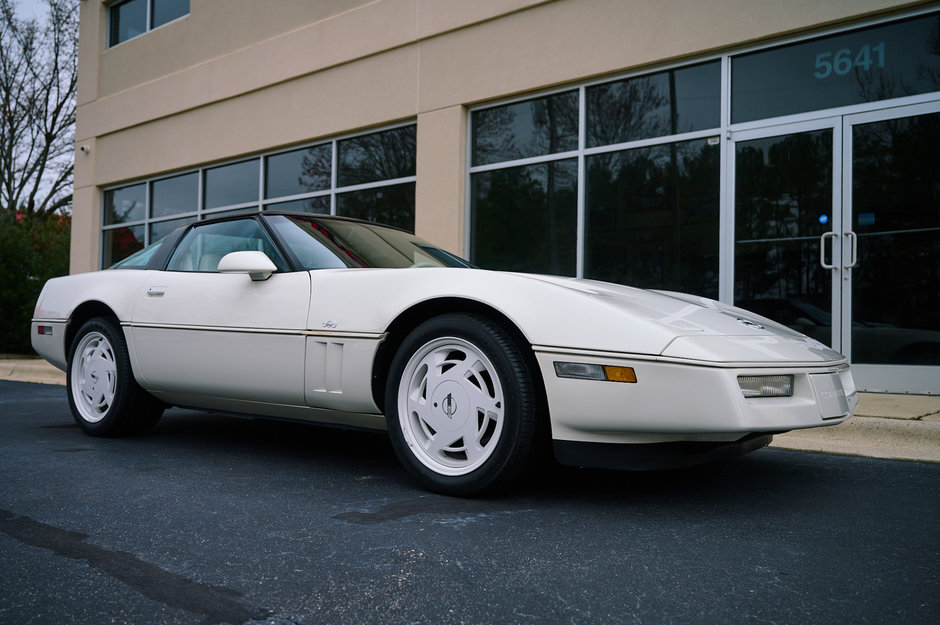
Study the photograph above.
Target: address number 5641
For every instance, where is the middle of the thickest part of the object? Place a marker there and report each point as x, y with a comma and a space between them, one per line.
841, 62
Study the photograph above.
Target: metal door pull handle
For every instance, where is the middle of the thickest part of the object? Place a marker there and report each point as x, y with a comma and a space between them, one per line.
854, 241
822, 249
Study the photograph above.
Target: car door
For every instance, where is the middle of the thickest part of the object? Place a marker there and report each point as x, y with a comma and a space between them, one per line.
201, 336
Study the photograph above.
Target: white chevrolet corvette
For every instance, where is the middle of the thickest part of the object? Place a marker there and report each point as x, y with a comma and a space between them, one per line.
473, 372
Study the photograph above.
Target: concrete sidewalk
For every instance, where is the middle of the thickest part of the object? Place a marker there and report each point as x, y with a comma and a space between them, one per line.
30, 370
903, 427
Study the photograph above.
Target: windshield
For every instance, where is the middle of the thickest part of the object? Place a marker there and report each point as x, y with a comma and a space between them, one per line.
331, 243
139, 259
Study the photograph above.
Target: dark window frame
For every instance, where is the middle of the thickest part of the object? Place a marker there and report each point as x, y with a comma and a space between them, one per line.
148, 8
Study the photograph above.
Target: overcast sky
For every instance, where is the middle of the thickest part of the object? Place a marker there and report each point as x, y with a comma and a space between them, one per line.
30, 8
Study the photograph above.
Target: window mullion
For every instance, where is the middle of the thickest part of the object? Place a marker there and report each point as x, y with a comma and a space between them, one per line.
333, 176
582, 184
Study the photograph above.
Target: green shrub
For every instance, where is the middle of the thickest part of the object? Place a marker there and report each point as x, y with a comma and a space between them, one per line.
32, 250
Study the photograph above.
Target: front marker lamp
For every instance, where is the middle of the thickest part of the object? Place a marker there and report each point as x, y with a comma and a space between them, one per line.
766, 385
603, 373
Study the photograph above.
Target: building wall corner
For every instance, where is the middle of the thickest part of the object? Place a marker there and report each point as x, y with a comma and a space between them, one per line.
440, 194
86, 229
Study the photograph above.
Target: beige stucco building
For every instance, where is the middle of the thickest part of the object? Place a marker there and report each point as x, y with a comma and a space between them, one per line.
610, 139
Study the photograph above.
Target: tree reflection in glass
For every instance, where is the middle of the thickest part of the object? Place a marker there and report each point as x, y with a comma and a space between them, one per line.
537, 127
896, 216
878, 63
525, 218
783, 204
119, 243
378, 156
390, 205
652, 217
298, 171
656, 105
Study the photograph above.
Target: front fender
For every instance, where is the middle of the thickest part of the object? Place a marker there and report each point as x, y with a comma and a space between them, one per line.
369, 300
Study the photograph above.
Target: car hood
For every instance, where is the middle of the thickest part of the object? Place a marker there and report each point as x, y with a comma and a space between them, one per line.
703, 329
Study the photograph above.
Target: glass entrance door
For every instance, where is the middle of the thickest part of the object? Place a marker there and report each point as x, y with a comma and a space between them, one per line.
837, 235
892, 189
786, 211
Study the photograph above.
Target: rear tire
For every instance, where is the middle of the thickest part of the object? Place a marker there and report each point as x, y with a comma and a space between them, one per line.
104, 397
461, 406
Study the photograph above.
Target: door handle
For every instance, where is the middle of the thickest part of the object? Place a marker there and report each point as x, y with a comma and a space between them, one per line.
156, 291
822, 249
853, 239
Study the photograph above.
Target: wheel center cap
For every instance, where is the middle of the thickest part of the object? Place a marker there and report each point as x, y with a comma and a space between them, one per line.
92, 377
449, 407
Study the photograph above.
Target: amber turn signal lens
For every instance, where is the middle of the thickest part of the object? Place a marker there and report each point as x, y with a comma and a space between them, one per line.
620, 374
601, 373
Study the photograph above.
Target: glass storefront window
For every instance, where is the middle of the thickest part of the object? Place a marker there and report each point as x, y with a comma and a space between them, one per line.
651, 214
231, 184
294, 180
827, 219
128, 20
392, 205
125, 204
652, 217
879, 63
320, 204
164, 11
386, 155
537, 127
119, 243
656, 105
235, 211
172, 196
298, 171
525, 218
160, 229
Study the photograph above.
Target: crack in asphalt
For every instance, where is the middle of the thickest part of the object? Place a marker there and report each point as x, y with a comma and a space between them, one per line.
215, 604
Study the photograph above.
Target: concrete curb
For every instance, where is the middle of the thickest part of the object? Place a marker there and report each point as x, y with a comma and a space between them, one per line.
903, 427
870, 436
30, 370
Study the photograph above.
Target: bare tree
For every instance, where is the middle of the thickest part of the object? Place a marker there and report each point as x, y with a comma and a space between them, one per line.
38, 63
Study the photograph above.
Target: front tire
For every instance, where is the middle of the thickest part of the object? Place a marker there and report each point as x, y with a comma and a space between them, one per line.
461, 405
104, 397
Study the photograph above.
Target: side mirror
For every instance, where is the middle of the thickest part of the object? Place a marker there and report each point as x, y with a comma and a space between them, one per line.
256, 264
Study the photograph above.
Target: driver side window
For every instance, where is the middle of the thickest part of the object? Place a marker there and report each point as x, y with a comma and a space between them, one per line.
204, 246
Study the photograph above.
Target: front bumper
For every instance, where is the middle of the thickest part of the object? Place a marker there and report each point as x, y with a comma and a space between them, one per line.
681, 401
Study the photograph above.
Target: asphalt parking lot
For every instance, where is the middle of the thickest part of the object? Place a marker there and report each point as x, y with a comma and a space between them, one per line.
212, 519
